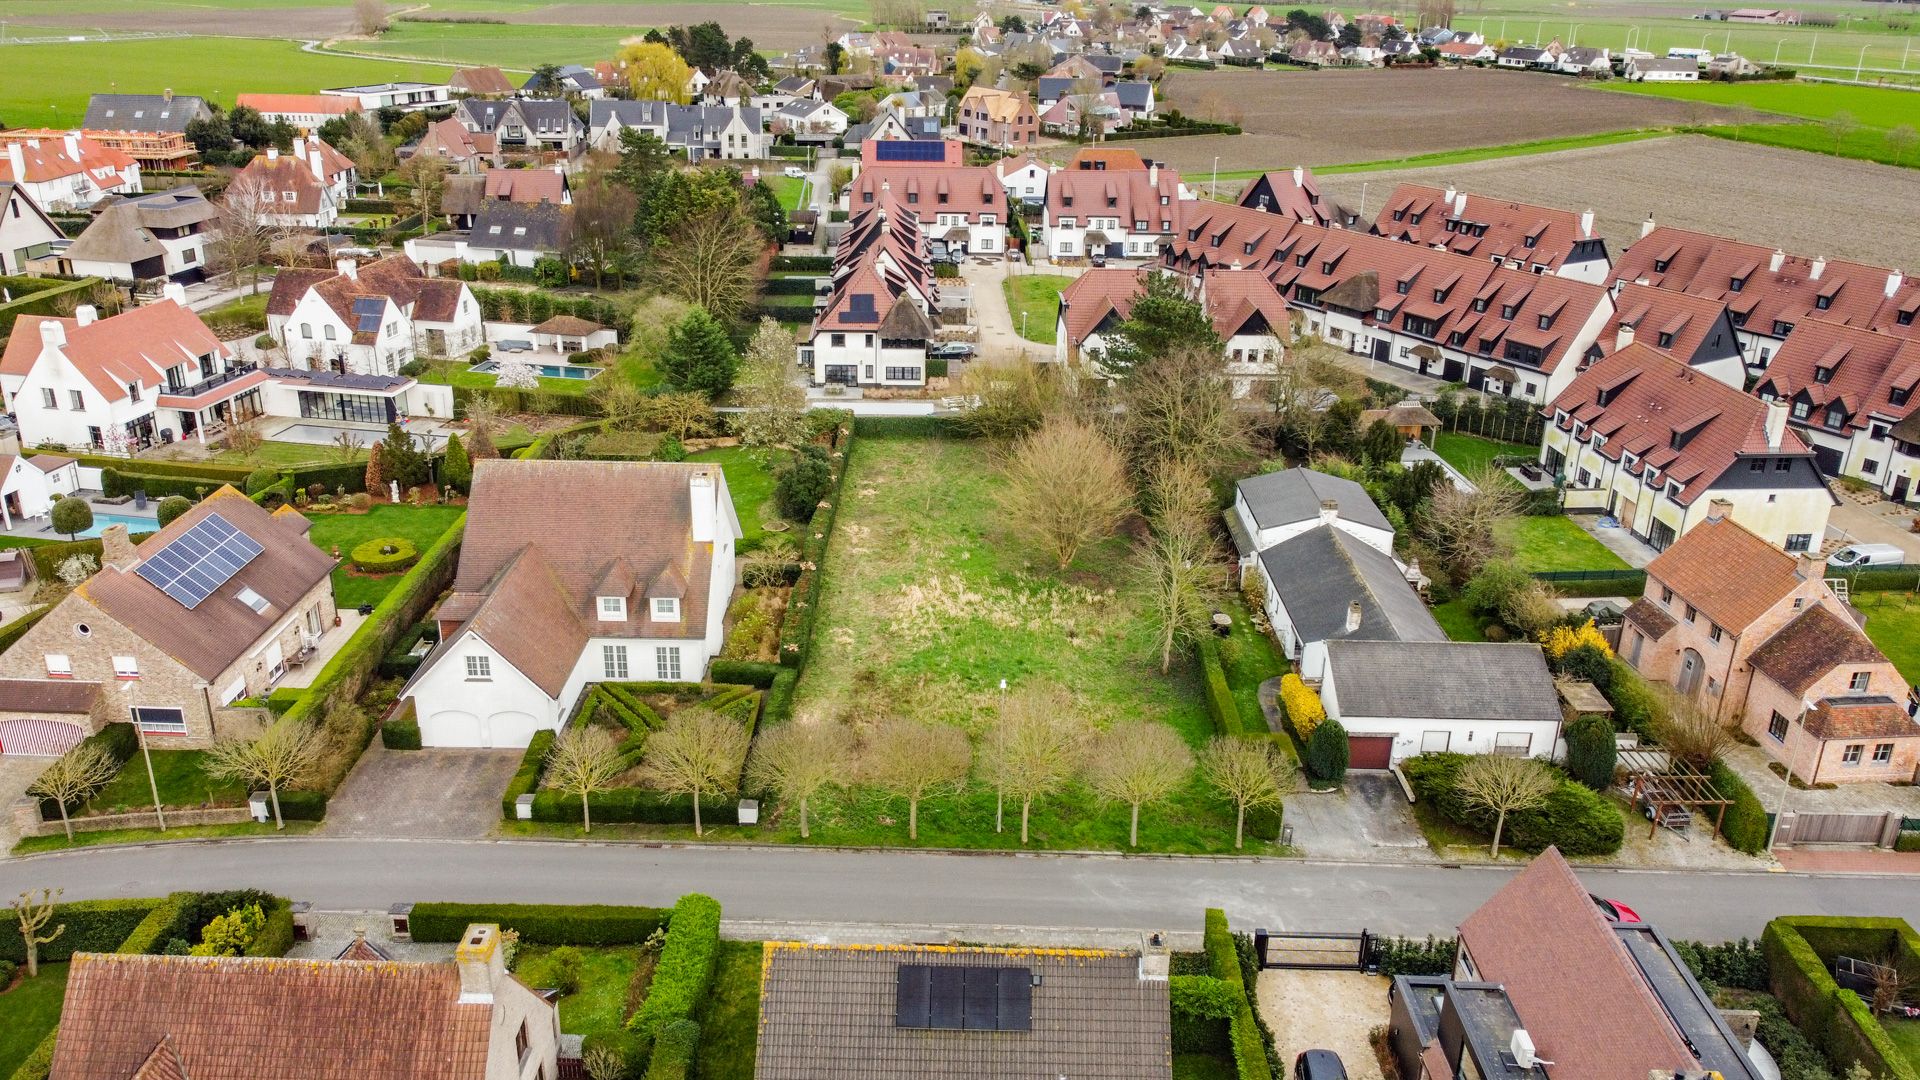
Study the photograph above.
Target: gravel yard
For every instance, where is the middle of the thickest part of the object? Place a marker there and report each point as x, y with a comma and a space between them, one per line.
1765, 195
1325, 1010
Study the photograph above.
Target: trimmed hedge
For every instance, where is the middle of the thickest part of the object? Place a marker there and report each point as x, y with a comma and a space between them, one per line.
1799, 949
796, 630
777, 707
634, 806
1213, 681
533, 765
401, 731
1410, 956
744, 672
372, 557
1740, 964
818, 264
1203, 1007
1223, 961
684, 977
541, 924
1575, 818
909, 427
18, 628
1747, 822
91, 926
674, 1051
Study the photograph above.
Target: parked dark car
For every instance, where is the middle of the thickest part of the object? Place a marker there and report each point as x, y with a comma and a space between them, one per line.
1319, 1065
950, 350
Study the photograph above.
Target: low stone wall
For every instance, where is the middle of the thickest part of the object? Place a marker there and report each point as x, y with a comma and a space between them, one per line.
28, 822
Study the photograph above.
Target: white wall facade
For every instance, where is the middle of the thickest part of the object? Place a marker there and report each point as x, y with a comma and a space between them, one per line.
314, 336
1379, 539
876, 365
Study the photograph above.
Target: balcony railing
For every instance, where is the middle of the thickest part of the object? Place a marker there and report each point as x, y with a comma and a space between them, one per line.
212, 383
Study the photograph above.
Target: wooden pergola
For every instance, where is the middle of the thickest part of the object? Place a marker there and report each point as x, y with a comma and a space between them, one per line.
1663, 790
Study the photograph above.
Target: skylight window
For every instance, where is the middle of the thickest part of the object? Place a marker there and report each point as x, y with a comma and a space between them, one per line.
253, 600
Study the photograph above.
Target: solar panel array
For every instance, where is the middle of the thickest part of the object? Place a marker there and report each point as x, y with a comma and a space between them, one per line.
949, 998
199, 561
859, 309
892, 150
370, 311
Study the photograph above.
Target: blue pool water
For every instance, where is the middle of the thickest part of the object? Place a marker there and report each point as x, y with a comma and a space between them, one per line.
551, 371
133, 524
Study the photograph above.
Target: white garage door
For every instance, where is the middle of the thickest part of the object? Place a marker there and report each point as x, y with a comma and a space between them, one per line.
451, 728
511, 729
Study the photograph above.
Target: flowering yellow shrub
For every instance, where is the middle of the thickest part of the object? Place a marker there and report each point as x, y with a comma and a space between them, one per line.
1303, 705
1562, 640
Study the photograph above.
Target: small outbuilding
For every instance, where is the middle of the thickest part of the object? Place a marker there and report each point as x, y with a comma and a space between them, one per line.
1401, 698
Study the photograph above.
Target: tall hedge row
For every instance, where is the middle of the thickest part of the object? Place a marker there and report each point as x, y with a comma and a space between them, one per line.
796, 630
1799, 950
1746, 824
91, 926
1223, 962
684, 976
541, 924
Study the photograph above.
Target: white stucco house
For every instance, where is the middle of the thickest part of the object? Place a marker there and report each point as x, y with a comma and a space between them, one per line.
372, 319
575, 572
1024, 177
1275, 507
29, 486
1401, 698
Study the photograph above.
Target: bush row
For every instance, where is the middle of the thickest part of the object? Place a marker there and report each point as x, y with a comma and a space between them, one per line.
1213, 682
1223, 962
401, 731
796, 630
684, 976
533, 765
674, 1051
1411, 956
1574, 818
1747, 822
744, 672
818, 264
1203, 1008
1798, 950
1740, 964
908, 427
634, 806
541, 924
18, 628
91, 926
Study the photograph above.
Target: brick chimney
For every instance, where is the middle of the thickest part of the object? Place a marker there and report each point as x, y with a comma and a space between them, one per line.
1776, 423
116, 548
700, 493
167, 95
1719, 508
482, 965
1623, 337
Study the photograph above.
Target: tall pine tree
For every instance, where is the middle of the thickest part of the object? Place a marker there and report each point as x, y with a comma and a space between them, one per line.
698, 357
456, 472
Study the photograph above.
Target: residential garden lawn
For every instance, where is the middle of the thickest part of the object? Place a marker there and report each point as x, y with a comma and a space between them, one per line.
420, 524
249, 310
730, 1017
1250, 658
791, 191
1459, 623
750, 481
275, 453
34, 845
1551, 542
1893, 623
1471, 453
605, 972
929, 602
51, 83
458, 375
183, 783
1202, 1067
1037, 296
1904, 1033
28, 1012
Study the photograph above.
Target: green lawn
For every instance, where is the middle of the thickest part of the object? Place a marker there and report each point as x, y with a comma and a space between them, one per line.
248, 312
1471, 453
420, 524
1203, 1067
1905, 1035
1250, 658
791, 191
750, 481
601, 1002
458, 375
1459, 623
182, 779
283, 454
730, 1017
28, 1012
1544, 543
1036, 296
34, 845
1871, 106
48, 85
1893, 623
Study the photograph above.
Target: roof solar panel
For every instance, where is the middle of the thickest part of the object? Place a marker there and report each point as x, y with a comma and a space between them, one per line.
982, 999
911, 998
946, 986
1016, 999
199, 561
892, 150
370, 311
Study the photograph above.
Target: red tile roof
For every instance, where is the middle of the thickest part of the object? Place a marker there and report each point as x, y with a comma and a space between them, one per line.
929, 190
1294, 194
1570, 979
1826, 364
1727, 572
300, 103
1095, 159
1685, 322
482, 80
1243, 301
1690, 427
134, 347
395, 277
1813, 644
526, 185
46, 158
1095, 295
880, 259
1855, 294
1132, 195
1482, 227
1859, 718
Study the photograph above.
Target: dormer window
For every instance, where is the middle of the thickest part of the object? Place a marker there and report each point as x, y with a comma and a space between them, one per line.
1736, 284
666, 609
1546, 322
1660, 265
1665, 339
1508, 311
613, 609
1480, 305
1823, 301
1822, 374
1404, 287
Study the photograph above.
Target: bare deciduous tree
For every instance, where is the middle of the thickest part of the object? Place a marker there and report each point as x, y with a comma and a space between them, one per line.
1840, 125
244, 438
368, 147
246, 230
1035, 747
800, 760
427, 175
914, 759
681, 414
695, 753
584, 760
710, 260
33, 916
775, 406
1251, 773
283, 754
1501, 785
1138, 762
1181, 582
1066, 488
1181, 406
74, 778
1008, 398
369, 17
1462, 526
1689, 733
1891, 985
603, 239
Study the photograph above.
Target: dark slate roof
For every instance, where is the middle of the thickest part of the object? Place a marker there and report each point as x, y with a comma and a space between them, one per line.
341, 380
143, 112
1133, 94
483, 112
1281, 498
548, 226
630, 113
828, 1014
1442, 680
1319, 573
700, 125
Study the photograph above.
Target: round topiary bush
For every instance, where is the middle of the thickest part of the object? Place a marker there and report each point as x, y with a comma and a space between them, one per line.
170, 508
261, 479
384, 555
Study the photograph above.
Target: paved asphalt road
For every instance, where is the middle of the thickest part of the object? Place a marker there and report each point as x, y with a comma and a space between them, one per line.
900, 887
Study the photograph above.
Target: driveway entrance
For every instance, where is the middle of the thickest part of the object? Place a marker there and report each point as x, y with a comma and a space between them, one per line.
445, 794
1367, 819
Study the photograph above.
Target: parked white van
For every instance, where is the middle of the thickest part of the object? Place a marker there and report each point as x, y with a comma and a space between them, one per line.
1860, 556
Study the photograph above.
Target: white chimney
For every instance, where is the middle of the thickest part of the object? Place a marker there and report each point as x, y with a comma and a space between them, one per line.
481, 962
1819, 267
701, 499
1353, 616
73, 145
1451, 192
1586, 222
53, 334
1776, 261
1153, 175
1894, 278
319, 167
1623, 337
347, 268
175, 292
1460, 205
1299, 176
17, 156
85, 314
1776, 423
1647, 225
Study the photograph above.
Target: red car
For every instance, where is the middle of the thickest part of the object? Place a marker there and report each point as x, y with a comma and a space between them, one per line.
1614, 910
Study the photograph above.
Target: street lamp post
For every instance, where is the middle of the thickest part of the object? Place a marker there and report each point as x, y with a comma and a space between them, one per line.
140, 733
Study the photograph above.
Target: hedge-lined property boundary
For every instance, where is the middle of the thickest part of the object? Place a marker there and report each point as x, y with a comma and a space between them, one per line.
1800, 949
803, 605
684, 976
1223, 963
541, 924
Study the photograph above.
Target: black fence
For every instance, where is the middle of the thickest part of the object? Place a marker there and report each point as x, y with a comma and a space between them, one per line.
1315, 951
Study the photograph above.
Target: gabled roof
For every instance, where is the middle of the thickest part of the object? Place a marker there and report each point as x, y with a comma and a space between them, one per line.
1826, 364
1292, 193
522, 226
144, 112
1653, 402
1859, 717
998, 105
1813, 644
135, 346
1485, 228
1726, 572
1443, 680
1323, 571
49, 159
481, 80
395, 277
1696, 323
525, 185
1294, 495
122, 230
299, 103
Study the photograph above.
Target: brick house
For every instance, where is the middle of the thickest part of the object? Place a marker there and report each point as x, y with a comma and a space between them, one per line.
1758, 639
998, 118
223, 1018
171, 632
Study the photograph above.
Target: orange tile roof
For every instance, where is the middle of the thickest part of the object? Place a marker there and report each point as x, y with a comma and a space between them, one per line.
1653, 313
972, 190
1826, 364
1727, 572
1003, 106
1094, 159
133, 347
526, 185
299, 103
47, 159
1813, 644
1497, 228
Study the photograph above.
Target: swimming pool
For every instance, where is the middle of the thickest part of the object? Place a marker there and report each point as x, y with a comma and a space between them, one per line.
133, 524
551, 371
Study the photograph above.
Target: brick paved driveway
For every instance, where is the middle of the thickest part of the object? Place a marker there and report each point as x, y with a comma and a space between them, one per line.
445, 794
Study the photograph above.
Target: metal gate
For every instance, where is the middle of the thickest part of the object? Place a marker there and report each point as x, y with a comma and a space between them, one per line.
1837, 829
1313, 950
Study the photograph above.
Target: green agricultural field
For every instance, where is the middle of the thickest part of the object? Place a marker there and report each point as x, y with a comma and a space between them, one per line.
523, 46
1871, 106
48, 85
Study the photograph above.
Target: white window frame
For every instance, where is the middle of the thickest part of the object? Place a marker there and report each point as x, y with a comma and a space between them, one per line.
613, 662
666, 609
142, 715
126, 667
666, 662
1504, 742
479, 667
59, 666
613, 609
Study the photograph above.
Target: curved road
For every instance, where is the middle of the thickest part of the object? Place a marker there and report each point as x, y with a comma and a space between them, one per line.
800, 885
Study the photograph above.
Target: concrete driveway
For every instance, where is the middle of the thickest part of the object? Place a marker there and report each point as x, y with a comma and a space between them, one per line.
1367, 819
16, 772
1868, 519
443, 794
999, 339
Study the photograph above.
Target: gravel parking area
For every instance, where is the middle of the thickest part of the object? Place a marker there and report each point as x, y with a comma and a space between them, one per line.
1325, 1010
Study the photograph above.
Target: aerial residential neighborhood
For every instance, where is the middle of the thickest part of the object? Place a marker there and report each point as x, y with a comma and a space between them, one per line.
1014, 541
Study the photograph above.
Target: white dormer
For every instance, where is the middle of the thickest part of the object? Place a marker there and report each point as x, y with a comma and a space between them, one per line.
612, 608
666, 609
